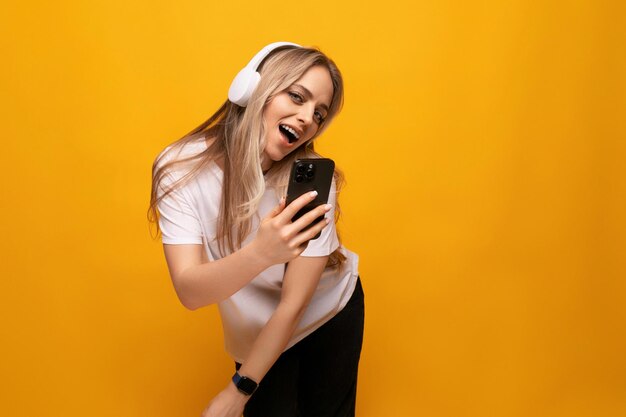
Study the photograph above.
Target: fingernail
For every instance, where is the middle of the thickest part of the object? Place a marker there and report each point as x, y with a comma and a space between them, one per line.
312, 194
327, 207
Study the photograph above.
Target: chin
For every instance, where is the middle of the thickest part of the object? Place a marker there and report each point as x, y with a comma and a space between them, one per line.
274, 156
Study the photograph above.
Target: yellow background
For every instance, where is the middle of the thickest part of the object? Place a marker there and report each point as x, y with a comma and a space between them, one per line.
484, 147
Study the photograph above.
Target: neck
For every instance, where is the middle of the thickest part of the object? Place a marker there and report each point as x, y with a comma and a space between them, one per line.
266, 163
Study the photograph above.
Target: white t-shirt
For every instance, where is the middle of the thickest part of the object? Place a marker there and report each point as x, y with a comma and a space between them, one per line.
189, 216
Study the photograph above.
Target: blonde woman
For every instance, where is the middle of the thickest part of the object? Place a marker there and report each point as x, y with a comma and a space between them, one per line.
291, 306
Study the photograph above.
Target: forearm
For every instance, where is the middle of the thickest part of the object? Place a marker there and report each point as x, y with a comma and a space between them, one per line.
300, 281
265, 351
272, 341
214, 281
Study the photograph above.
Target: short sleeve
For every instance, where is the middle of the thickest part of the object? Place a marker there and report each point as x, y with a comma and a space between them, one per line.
328, 240
178, 221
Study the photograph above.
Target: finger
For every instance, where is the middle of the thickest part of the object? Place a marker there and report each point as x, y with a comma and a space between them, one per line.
309, 234
296, 205
280, 207
309, 217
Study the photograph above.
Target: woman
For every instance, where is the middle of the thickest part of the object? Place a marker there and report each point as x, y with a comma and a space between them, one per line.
291, 306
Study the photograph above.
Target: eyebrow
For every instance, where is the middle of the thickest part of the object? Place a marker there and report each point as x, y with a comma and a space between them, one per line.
309, 94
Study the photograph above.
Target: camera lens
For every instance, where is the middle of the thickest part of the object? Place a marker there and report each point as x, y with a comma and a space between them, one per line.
310, 174
300, 168
299, 178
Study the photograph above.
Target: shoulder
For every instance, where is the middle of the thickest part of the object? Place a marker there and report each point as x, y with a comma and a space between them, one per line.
178, 152
184, 148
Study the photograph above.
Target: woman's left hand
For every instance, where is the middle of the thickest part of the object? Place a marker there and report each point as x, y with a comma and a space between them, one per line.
228, 403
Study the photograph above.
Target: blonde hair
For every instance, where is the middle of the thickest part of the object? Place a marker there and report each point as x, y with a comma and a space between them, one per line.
239, 142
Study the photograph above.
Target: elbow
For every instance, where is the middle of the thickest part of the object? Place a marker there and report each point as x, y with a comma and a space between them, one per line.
188, 302
193, 291
186, 294
189, 305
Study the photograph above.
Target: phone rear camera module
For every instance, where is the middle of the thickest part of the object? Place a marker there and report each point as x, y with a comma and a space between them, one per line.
310, 171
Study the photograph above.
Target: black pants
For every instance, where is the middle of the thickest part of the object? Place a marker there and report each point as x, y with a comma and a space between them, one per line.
317, 376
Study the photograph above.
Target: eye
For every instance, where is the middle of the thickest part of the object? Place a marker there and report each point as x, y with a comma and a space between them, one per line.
319, 117
296, 97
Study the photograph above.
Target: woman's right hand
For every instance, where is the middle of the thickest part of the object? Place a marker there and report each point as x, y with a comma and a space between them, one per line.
278, 239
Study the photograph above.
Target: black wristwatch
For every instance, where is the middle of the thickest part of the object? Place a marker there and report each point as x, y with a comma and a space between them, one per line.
244, 384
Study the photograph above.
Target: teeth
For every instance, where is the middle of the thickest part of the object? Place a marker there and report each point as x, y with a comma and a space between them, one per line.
293, 132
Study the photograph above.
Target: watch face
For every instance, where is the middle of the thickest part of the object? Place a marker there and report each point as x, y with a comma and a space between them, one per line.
246, 385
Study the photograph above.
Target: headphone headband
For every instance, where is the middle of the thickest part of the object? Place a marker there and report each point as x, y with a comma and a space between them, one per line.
248, 78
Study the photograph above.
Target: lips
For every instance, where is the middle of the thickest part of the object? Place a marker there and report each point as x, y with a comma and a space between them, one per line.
289, 132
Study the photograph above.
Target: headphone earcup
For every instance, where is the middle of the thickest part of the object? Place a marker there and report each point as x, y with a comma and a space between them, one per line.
243, 86
247, 79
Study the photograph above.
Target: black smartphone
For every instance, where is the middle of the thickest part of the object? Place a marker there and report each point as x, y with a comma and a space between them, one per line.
310, 175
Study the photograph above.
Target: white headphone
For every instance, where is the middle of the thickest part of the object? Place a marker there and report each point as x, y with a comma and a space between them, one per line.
248, 78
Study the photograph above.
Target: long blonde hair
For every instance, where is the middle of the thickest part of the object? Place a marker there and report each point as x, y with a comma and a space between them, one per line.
239, 142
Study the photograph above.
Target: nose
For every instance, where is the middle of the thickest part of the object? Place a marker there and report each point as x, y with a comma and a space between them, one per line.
305, 115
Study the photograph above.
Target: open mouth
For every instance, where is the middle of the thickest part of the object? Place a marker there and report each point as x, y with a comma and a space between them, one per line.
288, 133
